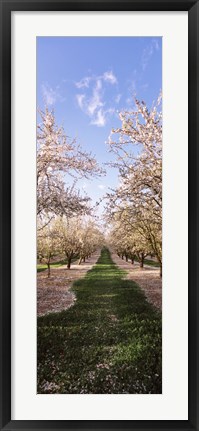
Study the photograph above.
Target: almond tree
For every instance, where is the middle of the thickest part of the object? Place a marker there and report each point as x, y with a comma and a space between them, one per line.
119, 240
138, 151
139, 154
128, 242
135, 226
58, 157
90, 239
67, 231
47, 245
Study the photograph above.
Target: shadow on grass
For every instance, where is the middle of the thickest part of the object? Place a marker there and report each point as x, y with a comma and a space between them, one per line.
108, 342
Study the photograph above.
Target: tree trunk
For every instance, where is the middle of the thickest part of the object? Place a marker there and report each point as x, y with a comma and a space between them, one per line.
142, 260
126, 256
122, 257
132, 260
48, 265
69, 262
84, 259
80, 260
160, 270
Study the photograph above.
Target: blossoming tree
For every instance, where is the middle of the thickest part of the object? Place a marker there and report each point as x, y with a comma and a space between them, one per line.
138, 149
59, 157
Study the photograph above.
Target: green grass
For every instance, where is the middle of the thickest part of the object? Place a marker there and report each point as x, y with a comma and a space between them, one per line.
108, 342
43, 267
150, 262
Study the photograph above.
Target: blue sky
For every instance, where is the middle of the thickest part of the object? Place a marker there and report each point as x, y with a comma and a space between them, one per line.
88, 80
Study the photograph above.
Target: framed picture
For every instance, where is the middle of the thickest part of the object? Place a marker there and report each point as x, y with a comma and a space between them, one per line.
99, 305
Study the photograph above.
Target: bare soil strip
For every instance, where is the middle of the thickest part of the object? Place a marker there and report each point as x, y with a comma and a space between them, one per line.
53, 294
148, 279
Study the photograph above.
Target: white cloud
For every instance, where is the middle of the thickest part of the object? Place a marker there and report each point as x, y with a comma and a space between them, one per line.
80, 100
110, 111
148, 52
110, 77
118, 98
156, 44
92, 101
50, 96
84, 83
100, 119
101, 186
95, 101
107, 76
146, 55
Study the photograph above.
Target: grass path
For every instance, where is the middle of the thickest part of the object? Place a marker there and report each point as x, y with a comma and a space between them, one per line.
108, 342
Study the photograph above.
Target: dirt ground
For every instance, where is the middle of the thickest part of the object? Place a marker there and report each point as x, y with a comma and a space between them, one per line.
53, 294
148, 279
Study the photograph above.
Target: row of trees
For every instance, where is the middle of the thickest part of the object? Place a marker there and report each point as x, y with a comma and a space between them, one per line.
68, 238
64, 228
134, 209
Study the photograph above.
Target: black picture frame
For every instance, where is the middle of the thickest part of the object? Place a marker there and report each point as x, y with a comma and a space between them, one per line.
6, 8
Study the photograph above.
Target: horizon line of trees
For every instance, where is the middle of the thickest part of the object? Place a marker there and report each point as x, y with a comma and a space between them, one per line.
68, 238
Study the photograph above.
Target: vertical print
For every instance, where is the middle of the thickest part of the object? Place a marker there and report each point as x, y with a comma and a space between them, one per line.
99, 215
